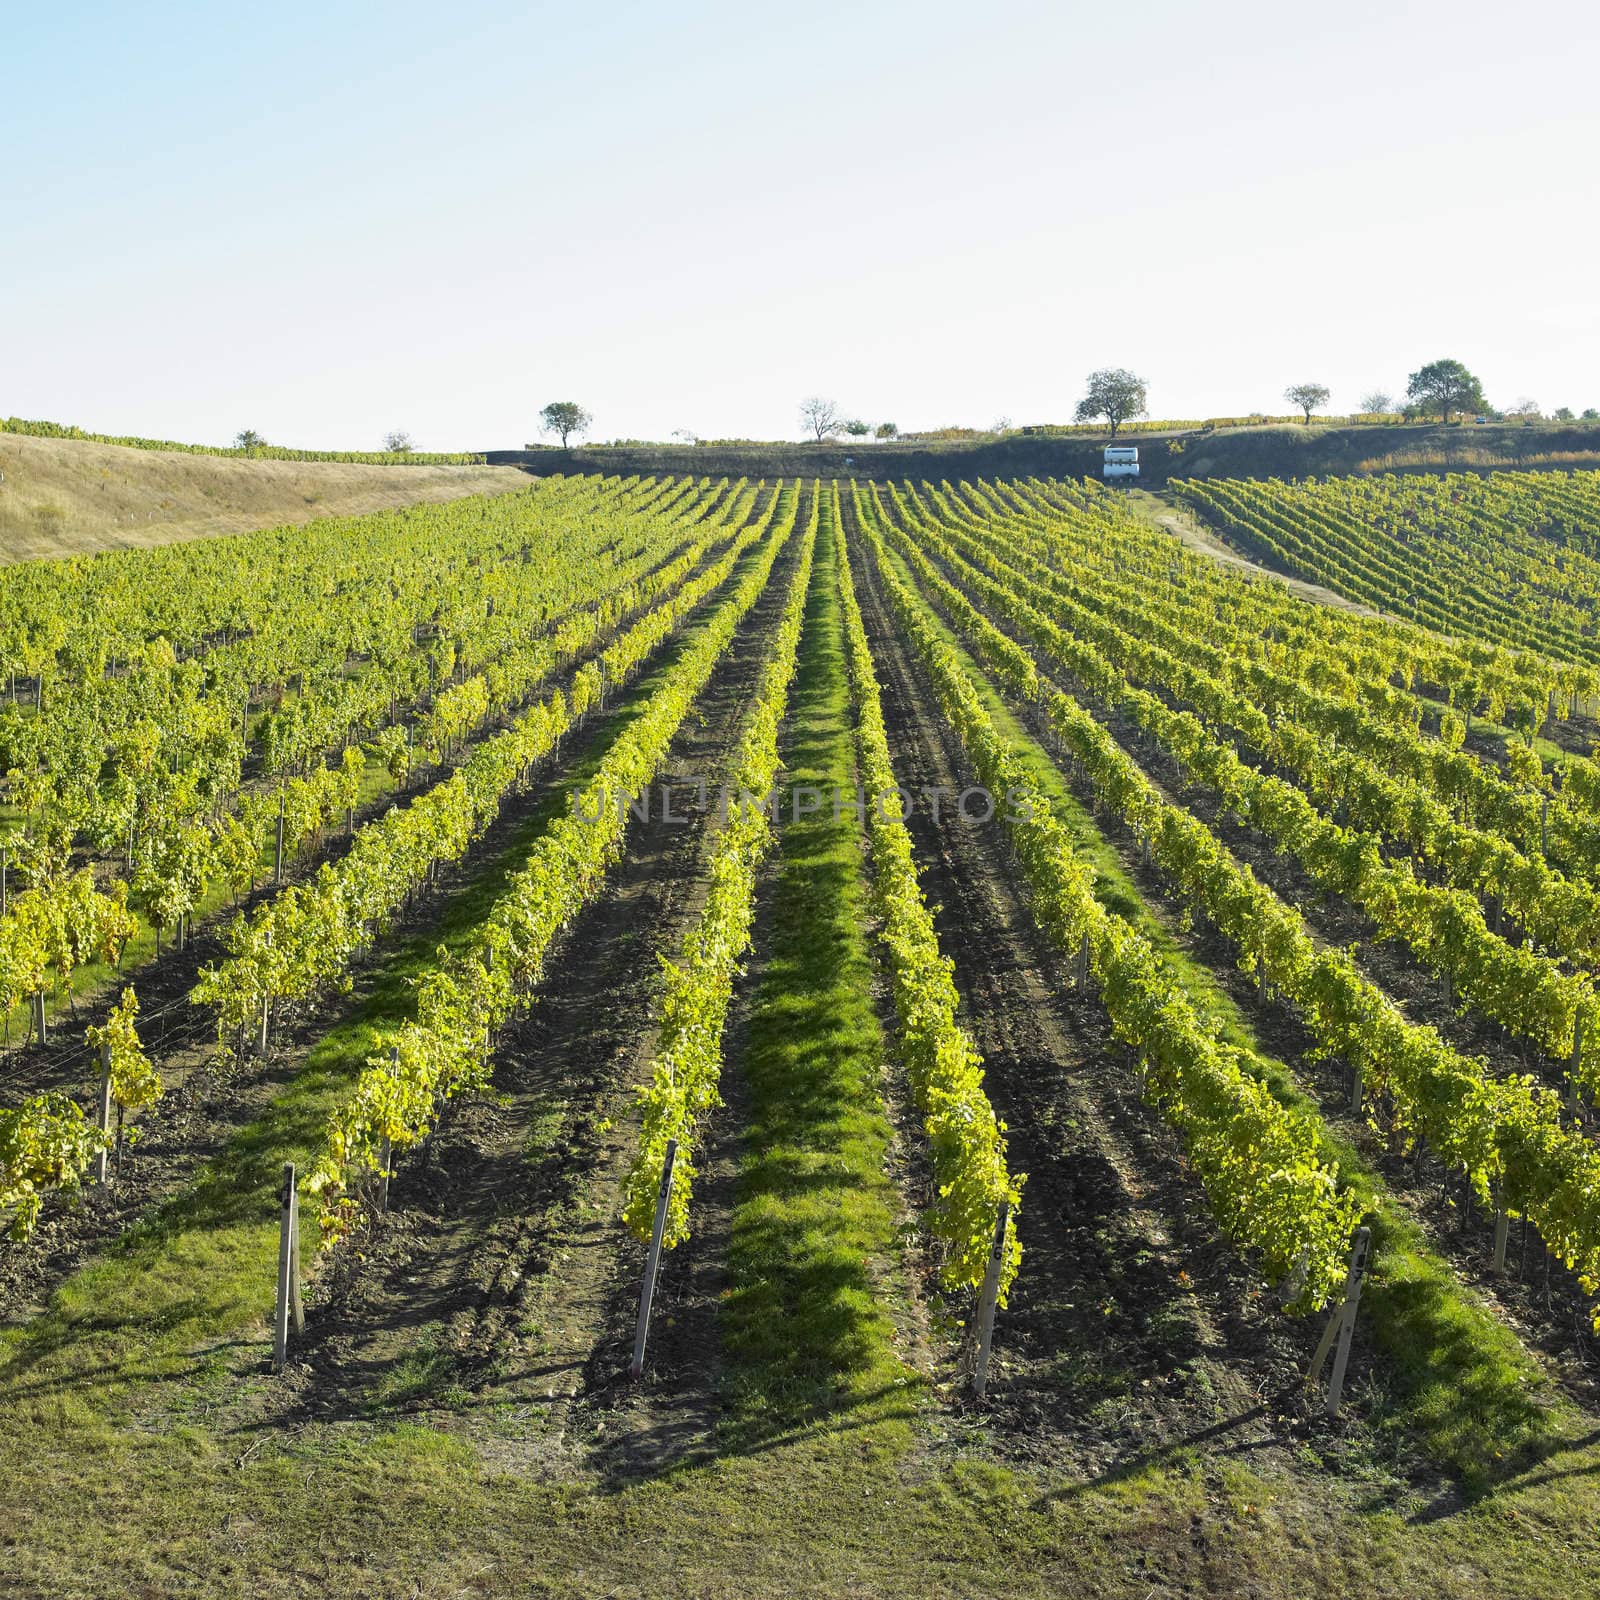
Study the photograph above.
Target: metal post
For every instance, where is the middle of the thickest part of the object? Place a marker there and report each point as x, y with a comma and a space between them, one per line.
288, 1287
988, 1298
103, 1111
653, 1261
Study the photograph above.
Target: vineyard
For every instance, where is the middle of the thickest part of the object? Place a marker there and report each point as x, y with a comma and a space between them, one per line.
791, 1035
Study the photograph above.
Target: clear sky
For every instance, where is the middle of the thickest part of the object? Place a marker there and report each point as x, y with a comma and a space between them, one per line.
324, 221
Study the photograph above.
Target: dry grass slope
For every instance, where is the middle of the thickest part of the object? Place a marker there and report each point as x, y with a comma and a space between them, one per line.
64, 497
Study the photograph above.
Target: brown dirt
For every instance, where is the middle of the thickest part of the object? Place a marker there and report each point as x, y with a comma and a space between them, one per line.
503, 1273
1132, 1326
210, 1097
1543, 1304
68, 497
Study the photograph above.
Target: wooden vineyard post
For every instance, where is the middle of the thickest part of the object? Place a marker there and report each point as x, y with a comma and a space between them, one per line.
1502, 1230
1355, 1086
1573, 1063
988, 1299
1342, 1323
277, 861
40, 1022
385, 1147
5, 866
1081, 976
652, 1262
266, 1003
288, 1304
102, 1116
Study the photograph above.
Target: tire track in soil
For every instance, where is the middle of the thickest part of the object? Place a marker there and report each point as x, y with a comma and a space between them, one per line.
503, 1271
1105, 1350
210, 1097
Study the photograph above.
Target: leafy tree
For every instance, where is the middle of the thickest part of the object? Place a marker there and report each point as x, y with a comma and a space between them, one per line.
1446, 387
1115, 394
1308, 396
888, 430
1377, 403
1561, 414
819, 417
248, 439
857, 429
565, 417
1590, 415
397, 443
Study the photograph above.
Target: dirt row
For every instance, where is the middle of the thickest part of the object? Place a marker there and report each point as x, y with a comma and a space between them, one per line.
1538, 1298
1132, 1326
502, 1281
210, 1096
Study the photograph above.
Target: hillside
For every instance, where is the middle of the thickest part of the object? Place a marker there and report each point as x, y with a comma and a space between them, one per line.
67, 497
1282, 451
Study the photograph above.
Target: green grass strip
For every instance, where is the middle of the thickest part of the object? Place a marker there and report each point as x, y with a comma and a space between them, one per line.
813, 1230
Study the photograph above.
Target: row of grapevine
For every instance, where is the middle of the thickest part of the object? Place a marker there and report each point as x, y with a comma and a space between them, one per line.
1513, 804
463, 1001
1526, 993
1506, 1135
1354, 656
1504, 556
966, 1140
178, 860
1557, 912
303, 940
698, 986
47, 1143
1270, 1184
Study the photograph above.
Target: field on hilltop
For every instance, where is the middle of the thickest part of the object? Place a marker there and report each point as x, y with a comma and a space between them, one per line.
66, 497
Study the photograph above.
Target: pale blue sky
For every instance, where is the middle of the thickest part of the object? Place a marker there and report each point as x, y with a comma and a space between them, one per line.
323, 221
